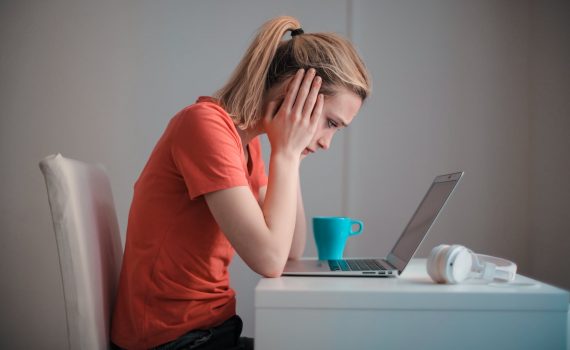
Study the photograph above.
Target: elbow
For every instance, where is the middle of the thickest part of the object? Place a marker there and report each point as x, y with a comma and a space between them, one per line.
272, 273
272, 270
272, 267
269, 260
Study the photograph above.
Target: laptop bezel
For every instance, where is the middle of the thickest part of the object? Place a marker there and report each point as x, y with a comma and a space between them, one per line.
401, 264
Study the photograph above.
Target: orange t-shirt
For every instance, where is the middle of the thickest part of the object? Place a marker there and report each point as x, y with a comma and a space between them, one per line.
174, 276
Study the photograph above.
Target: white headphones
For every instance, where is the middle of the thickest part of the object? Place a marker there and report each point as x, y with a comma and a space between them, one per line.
455, 263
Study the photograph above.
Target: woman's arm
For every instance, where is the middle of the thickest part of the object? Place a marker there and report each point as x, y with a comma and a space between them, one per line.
300, 234
262, 235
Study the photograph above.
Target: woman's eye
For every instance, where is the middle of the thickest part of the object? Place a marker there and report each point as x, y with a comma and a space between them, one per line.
331, 123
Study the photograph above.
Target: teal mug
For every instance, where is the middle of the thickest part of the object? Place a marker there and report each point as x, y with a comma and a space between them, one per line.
331, 234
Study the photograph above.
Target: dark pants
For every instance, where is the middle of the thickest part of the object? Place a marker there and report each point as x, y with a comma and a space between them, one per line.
223, 337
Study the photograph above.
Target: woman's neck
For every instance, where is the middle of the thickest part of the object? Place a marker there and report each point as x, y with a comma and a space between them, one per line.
246, 135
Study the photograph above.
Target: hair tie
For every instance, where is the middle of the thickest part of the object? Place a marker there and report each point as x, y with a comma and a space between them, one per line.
297, 31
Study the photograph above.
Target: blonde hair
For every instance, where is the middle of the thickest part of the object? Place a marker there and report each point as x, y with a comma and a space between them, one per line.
269, 60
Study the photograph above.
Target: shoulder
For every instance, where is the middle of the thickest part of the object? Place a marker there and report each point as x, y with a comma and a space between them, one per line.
205, 108
205, 116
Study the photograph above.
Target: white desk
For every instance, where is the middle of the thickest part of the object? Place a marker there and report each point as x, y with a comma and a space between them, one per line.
409, 312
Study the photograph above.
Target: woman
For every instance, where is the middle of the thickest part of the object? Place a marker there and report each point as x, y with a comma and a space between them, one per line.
204, 192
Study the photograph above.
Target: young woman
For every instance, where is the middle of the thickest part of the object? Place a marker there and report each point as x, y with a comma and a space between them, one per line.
204, 193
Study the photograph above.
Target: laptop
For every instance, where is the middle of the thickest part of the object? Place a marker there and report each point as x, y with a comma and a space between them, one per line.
394, 264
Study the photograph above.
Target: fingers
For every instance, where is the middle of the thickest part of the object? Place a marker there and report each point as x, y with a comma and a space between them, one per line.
312, 98
292, 90
303, 93
318, 110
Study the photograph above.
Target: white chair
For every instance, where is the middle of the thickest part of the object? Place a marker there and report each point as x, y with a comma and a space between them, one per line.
89, 247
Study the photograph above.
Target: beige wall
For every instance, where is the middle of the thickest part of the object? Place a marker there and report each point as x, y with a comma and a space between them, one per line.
451, 92
550, 142
480, 86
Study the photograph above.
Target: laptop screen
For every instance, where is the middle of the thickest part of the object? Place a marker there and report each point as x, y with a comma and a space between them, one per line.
423, 219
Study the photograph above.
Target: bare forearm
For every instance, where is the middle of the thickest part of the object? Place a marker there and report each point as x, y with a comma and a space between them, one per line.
280, 204
300, 235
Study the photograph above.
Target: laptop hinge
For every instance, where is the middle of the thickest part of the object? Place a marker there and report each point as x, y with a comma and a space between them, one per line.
386, 264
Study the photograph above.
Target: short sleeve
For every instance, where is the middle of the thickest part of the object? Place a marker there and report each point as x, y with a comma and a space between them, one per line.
206, 150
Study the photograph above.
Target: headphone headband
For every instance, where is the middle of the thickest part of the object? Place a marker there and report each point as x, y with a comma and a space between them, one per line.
499, 268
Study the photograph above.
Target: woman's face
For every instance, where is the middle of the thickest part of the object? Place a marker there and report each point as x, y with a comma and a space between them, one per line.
338, 112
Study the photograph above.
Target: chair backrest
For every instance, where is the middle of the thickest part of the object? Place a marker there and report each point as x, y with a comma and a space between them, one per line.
89, 247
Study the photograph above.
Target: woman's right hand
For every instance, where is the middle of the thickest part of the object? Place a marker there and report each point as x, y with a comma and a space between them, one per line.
290, 127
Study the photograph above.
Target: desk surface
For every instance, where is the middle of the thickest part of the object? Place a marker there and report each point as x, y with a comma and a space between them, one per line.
330, 313
402, 293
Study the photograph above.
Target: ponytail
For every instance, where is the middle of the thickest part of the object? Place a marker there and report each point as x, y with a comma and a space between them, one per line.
242, 96
269, 60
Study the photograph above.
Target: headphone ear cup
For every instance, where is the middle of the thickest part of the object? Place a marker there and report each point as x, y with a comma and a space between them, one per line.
458, 264
443, 263
434, 262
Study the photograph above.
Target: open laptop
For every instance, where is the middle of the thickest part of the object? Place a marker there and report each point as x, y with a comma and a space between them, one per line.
402, 252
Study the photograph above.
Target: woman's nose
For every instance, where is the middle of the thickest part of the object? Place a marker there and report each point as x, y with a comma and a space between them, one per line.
325, 141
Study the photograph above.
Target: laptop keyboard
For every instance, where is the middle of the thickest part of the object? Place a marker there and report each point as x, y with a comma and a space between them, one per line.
355, 265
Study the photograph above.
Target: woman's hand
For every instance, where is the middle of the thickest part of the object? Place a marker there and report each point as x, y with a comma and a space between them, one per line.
291, 126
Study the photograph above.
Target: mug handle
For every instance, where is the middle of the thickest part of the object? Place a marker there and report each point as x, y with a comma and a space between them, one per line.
360, 227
